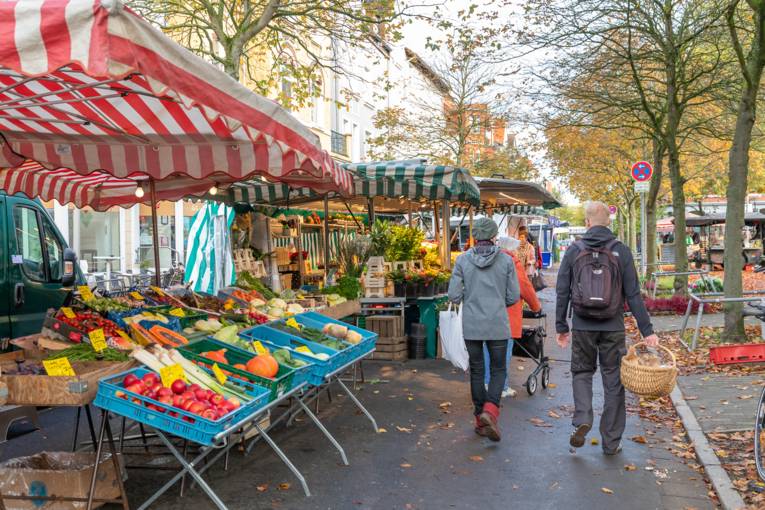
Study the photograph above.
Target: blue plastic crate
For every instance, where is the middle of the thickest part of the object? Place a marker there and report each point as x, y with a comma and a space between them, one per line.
355, 351
119, 317
201, 431
279, 339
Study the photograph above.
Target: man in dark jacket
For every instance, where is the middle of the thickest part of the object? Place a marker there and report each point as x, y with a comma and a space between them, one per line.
599, 339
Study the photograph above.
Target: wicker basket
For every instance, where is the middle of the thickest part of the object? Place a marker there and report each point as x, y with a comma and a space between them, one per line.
648, 381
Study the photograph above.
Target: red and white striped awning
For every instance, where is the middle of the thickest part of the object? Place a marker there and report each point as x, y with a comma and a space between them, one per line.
97, 190
89, 85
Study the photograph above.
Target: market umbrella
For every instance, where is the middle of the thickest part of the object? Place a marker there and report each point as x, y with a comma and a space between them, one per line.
88, 85
209, 264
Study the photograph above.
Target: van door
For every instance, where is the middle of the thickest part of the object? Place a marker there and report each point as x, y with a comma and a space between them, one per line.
37, 254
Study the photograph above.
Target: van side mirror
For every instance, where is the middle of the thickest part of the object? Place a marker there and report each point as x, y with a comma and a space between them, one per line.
70, 263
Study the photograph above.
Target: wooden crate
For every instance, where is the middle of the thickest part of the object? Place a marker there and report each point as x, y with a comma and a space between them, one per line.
386, 326
391, 344
399, 355
43, 390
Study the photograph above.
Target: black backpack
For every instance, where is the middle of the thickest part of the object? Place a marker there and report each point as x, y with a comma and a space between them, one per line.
596, 282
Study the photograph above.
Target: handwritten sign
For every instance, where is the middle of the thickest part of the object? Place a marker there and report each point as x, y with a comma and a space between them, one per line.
58, 367
259, 347
85, 292
219, 375
171, 373
177, 312
136, 296
97, 340
68, 312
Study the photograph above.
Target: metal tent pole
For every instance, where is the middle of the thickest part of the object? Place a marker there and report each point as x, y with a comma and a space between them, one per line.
155, 232
326, 238
445, 235
371, 210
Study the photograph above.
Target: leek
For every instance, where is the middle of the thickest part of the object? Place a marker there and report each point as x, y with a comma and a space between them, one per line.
205, 380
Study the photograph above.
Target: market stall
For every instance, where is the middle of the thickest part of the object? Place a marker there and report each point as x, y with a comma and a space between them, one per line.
707, 246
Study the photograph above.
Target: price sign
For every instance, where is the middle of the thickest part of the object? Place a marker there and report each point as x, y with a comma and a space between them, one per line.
58, 367
259, 347
177, 312
159, 291
97, 340
68, 312
219, 375
228, 305
137, 296
85, 292
304, 350
170, 374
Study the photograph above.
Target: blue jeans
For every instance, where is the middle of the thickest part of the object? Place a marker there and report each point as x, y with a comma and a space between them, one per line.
486, 363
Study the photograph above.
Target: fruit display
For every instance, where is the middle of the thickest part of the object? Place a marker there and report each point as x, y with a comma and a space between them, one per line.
105, 305
84, 322
192, 398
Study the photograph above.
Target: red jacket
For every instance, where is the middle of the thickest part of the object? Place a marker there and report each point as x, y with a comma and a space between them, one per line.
528, 294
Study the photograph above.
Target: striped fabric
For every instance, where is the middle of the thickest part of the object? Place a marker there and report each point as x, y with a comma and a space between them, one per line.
98, 190
89, 85
209, 263
521, 210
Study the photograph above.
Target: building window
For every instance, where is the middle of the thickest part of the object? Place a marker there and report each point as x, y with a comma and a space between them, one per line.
287, 93
317, 101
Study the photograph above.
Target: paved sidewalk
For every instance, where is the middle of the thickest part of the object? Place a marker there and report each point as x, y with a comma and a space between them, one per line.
721, 402
662, 323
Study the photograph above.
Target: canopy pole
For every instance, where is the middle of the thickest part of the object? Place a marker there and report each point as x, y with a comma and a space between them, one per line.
470, 226
371, 210
326, 238
154, 232
446, 218
436, 229
411, 214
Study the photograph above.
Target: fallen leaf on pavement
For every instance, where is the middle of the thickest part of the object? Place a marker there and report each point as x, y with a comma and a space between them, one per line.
553, 414
639, 439
405, 465
539, 422
692, 397
745, 397
476, 458
606, 490
262, 488
403, 429
630, 467
444, 405
552, 385
594, 441
284, 486
381, 430
520, 367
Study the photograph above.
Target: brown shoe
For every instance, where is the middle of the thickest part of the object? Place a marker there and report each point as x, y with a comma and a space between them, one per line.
480, 429
488, 418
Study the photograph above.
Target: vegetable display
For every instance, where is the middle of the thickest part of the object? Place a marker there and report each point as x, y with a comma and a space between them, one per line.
84, 352
310, 334
86, 321
104, 305
246, 281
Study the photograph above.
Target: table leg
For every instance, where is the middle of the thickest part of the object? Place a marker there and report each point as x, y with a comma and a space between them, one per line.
99, 446
284, 458
116, 461
358, 403
90, 423
698, 326
76, 428
324, 431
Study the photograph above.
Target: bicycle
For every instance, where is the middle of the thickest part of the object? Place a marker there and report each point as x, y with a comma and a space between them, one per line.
759, 420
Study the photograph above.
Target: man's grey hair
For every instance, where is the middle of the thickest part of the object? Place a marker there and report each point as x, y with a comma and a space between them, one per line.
597, 214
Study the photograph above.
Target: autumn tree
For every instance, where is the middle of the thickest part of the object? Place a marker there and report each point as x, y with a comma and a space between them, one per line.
294, 39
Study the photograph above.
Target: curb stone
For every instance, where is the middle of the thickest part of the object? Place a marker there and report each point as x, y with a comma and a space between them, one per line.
730, 499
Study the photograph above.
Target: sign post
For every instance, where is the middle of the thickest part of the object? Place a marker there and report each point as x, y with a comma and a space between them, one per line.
641, 172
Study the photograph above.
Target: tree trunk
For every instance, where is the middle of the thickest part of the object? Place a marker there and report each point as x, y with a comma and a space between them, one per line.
738, 172
678, 208
620, 222
650, 205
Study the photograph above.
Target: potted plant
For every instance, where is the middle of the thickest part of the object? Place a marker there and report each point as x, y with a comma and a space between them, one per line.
398, 277
442, 281
412, 281
403, 243
427, 282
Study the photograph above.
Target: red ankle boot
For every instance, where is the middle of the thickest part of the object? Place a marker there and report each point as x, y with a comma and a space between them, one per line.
488, 418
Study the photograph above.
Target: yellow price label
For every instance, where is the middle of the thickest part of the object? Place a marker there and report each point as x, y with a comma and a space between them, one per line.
68, 312
177, 312
97, 340
171, 373
159, 291
228, 305
58, 367
219, 375
136, 295
85, 292
304, 350
259, 347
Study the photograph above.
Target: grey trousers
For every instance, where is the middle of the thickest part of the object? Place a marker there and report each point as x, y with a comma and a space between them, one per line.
587, 349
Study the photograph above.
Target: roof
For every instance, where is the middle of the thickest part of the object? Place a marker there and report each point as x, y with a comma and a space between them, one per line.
427, 71
498, 192
717, 219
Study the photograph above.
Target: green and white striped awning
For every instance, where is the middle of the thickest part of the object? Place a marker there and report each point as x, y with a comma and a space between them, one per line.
209, 261
387, 180
415, 182
516, 209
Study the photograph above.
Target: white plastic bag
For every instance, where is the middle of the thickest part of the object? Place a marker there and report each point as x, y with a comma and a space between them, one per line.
452, 342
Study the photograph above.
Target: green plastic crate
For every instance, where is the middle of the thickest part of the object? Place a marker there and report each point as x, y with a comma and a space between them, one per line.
279, 385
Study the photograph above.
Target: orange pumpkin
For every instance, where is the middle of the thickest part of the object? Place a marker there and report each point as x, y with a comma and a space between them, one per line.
263, 365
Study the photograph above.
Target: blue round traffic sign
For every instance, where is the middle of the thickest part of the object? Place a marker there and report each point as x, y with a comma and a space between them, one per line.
642, 171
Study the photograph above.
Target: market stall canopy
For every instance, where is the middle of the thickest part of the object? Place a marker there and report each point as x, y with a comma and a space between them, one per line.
504, 193
716, 219
98, 190
89, 85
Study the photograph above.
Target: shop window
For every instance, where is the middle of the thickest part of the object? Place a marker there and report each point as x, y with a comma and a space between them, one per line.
55, 251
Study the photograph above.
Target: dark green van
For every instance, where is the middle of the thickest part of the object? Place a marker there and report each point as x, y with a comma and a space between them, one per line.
38, 270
